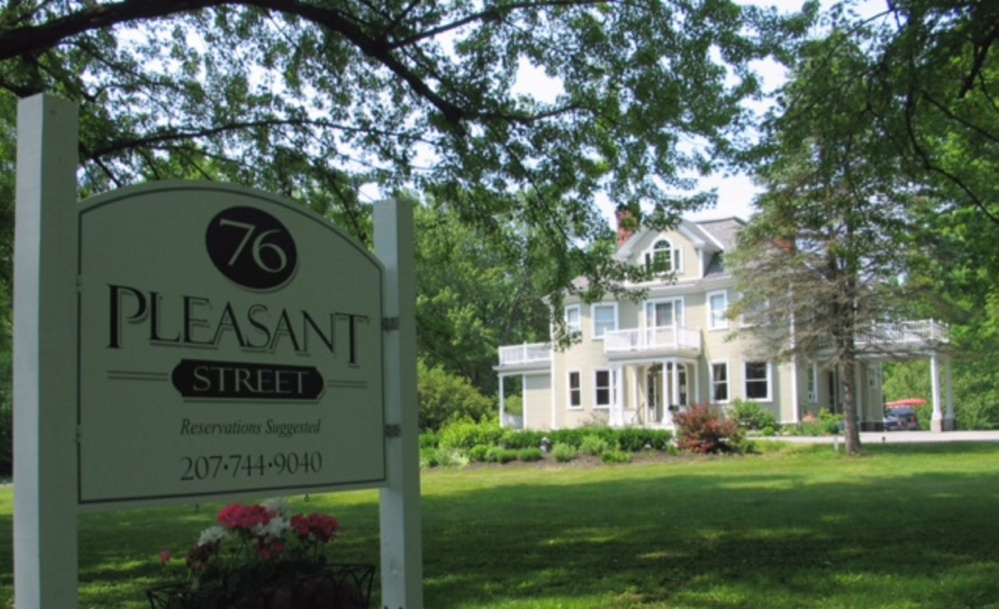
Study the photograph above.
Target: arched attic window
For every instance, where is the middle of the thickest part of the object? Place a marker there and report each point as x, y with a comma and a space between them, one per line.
663, 257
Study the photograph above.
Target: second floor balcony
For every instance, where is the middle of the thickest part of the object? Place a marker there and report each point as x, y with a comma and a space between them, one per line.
662, 340
900, 335
527, 355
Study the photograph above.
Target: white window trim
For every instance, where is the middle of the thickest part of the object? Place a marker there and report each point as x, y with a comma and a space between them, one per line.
675, 254
568, 389
611, 388
728, 380
770, 381
674, 299
723, 323
578, 327
593, 318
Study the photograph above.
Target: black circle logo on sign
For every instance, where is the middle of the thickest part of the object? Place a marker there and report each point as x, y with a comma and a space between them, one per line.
251, 247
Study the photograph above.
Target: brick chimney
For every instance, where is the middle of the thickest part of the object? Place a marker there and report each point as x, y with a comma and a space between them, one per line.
785, 244
626, 225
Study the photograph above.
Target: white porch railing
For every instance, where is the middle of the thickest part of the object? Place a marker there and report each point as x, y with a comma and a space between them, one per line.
915, 332
652, 339
526, 354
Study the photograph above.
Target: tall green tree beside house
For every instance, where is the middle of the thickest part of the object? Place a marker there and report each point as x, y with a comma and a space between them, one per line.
819, 265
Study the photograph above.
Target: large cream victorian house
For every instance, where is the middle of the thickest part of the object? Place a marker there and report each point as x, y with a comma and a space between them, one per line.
636, 363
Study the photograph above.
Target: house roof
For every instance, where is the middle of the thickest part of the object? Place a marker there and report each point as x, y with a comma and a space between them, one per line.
723, 231
713, 235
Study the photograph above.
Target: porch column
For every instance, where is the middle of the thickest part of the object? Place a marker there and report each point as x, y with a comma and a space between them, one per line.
664, 397
936, 422
795, 396
618, 402
502, 400
950, 422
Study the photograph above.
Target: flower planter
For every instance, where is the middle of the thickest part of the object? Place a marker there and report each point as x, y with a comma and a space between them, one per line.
336, 587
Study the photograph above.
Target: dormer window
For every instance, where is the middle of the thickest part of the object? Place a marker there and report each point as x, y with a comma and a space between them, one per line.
663, 257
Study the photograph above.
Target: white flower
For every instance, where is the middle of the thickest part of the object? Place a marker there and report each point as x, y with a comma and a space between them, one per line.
212, 535
274, 528
278, 505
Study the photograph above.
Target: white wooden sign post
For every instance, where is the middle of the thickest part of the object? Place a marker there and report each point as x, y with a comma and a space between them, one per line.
179, 341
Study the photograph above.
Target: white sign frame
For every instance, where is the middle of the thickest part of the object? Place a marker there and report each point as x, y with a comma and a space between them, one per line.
46, 385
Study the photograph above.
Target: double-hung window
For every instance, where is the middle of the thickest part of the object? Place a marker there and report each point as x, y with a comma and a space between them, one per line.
604, 319
573, 324
757, 379
717, 308
603, 385
575, 390
719, 382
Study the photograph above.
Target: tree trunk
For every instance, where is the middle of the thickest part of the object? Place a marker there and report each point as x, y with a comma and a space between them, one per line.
850, 420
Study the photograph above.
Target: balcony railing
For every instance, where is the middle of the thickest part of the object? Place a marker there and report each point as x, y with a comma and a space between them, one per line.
664, 338
525, 355
907, 332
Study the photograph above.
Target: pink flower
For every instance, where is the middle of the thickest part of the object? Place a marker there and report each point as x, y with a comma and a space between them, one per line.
165, 556
322, 528
245, 517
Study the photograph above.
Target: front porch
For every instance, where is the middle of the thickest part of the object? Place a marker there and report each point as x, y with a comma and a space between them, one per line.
648, 392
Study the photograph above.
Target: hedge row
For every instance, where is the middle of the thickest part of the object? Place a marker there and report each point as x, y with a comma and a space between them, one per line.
463, 436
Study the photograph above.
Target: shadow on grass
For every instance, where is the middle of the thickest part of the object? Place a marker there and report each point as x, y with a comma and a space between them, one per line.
760, 540
795, 531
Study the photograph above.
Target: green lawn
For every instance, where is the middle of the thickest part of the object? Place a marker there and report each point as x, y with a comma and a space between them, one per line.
902, 527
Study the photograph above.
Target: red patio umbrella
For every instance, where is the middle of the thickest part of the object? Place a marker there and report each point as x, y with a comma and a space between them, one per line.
906, 402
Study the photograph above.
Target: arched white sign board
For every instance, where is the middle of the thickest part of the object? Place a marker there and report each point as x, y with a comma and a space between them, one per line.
230, 345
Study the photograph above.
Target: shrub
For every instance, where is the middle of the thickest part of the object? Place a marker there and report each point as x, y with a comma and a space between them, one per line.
704, 429
464, 434
521, 439
593, 445
826, 423
450, 458
635, 439
478, 453
493, 454
572, 437
506, 455
751, 415
616, 456
428, 457
429, 440
530, 454
563, 453
446, 397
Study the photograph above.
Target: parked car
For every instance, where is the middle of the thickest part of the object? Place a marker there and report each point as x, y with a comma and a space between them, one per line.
901, 419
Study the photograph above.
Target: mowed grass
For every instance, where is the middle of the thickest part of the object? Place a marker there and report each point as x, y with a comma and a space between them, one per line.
901, 527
